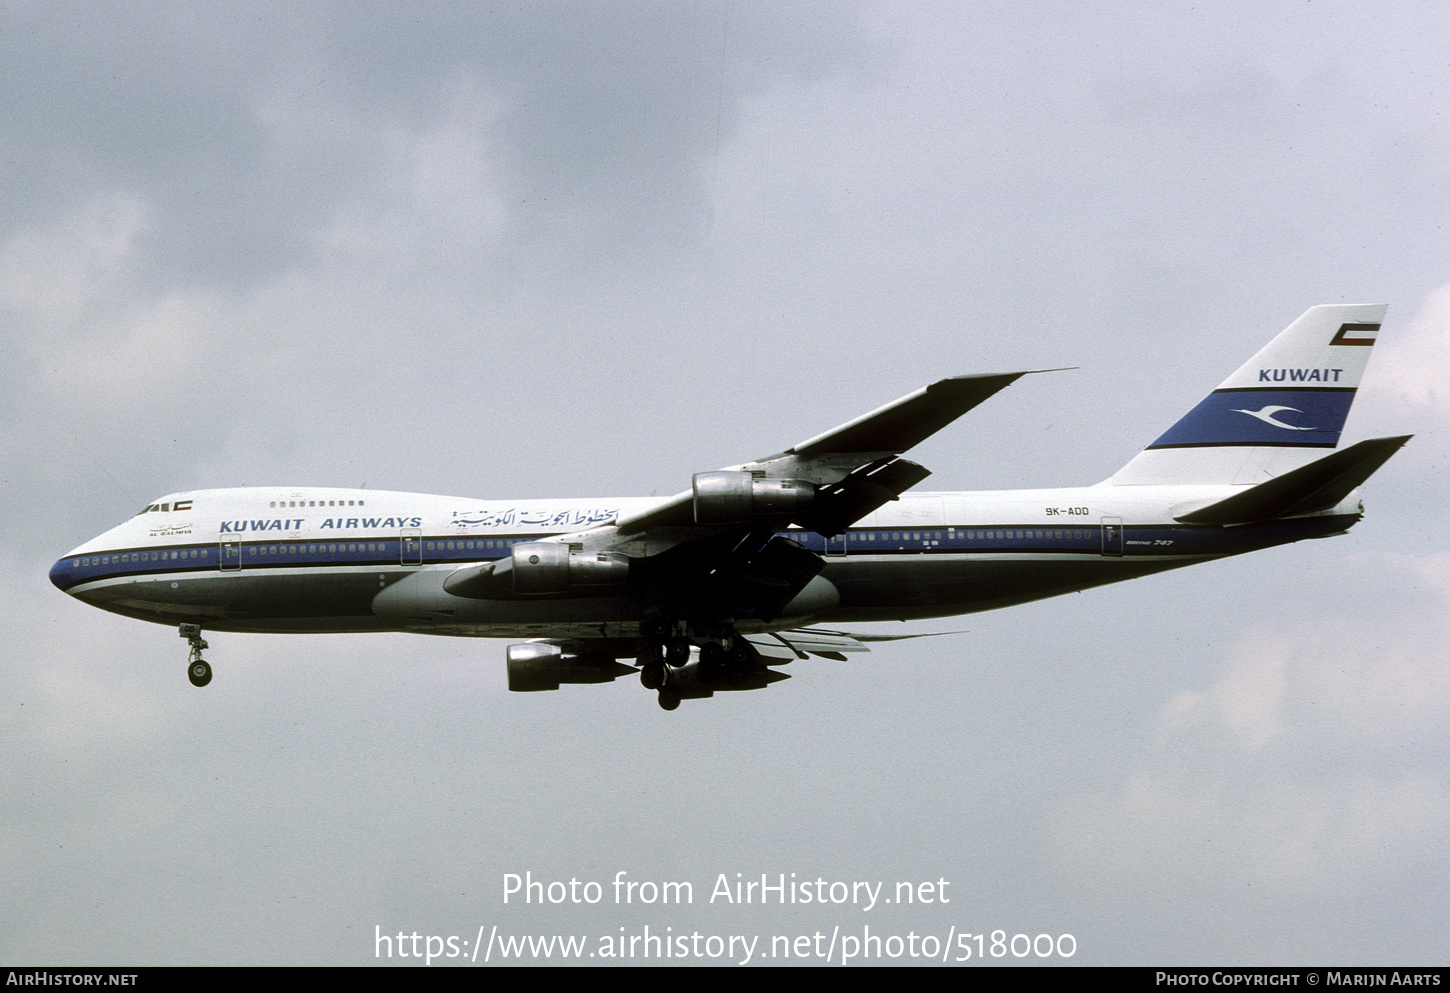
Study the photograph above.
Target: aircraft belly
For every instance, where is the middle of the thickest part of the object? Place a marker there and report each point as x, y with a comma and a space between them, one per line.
906, 587
331, 601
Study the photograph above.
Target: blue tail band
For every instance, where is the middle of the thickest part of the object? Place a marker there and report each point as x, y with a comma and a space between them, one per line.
1284, 418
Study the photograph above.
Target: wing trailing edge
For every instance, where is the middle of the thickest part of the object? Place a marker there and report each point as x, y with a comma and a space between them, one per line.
780, 647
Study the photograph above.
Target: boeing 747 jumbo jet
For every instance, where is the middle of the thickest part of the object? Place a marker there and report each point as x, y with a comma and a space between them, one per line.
716, 588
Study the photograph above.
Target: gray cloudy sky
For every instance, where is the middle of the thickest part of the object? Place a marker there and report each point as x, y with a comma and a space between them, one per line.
577, 249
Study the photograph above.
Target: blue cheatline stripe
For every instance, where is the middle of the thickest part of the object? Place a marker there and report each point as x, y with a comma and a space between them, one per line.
1288, 418
204, 559
1080, 539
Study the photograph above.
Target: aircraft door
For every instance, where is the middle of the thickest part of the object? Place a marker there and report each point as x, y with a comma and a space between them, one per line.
836, 545
230, 555
410, 546
1112, 536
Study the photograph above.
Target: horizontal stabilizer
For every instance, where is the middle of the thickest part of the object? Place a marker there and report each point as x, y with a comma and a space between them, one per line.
1318, 486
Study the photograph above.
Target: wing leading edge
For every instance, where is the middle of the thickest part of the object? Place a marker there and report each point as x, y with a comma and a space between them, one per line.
712, 555
865, 447
905, 423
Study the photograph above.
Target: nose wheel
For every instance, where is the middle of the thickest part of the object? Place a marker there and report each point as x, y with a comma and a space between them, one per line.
198, 669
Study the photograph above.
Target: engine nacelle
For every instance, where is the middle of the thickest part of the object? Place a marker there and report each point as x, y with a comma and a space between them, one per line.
727, 497
549, 567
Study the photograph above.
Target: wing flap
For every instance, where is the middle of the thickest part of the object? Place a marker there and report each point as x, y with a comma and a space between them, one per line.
839, 505
780, 647
807, 641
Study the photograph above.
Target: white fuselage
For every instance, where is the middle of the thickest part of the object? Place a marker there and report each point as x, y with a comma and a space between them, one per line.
332, 560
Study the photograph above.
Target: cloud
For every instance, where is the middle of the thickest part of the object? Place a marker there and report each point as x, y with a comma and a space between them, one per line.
1293, 773
52, 271
128, 363
1247, 698
1413, 363
423, 191
603, 115
1224, 835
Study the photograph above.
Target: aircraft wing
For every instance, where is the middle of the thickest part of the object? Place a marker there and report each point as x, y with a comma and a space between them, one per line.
905, 423
860, 454
780, 647
713, 551
546, 664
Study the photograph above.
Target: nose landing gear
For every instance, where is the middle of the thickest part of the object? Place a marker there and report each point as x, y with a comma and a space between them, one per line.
198, 670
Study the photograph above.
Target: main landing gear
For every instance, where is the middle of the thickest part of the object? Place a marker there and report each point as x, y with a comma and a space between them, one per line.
654, 676
198, 669
723, 653
723, 658
665, 651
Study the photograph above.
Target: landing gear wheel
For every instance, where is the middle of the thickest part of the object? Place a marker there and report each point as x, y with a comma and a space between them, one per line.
197, 669
739, 653
677, 652
652, 675
712, 661
669, 696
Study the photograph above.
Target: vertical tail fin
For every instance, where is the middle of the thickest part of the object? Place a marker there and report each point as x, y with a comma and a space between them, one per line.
1279, 411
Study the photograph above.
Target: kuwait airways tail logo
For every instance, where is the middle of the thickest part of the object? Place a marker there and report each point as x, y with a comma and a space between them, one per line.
1266, 414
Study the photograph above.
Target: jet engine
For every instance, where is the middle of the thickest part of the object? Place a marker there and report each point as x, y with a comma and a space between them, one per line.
549, 567
731, 497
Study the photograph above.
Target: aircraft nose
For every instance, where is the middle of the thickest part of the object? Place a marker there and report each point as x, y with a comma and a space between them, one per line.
62, 573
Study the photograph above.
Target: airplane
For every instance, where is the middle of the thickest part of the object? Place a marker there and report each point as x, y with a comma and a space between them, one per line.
717, 587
